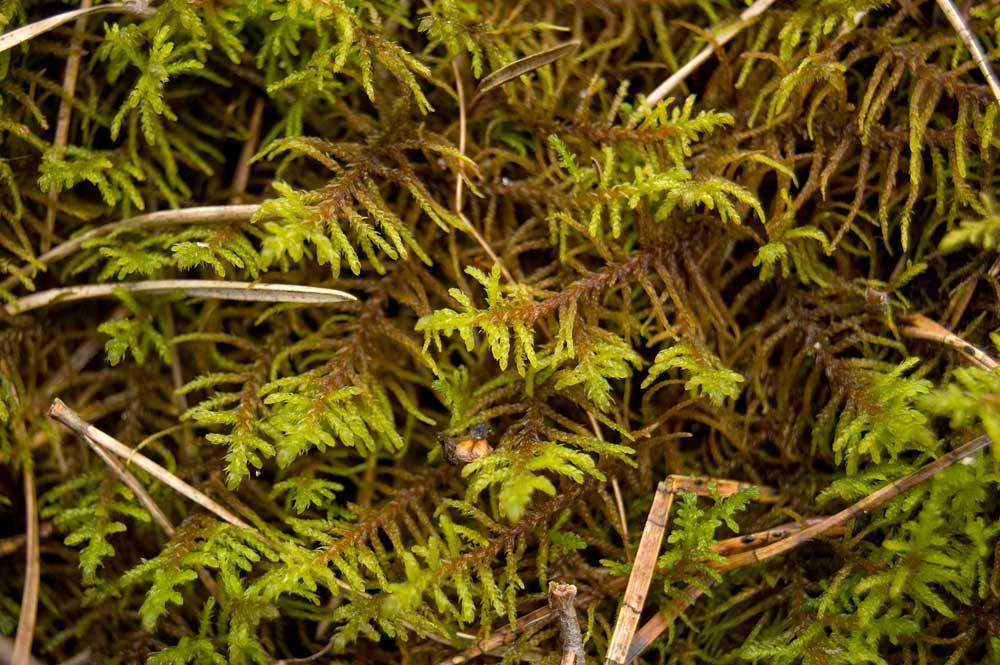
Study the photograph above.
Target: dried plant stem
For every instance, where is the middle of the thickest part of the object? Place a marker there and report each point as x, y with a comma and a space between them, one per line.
150, 505
870, 502
7, 652
968, 289
486, 247
818, 527
32, 30
642, 572
65, 111
82, 355
198, 215
653, 628
462, 135
460, 91
177, 375
971, 43
649, 547
702, 486
622, 519
201, 288
749, 15
561, 600
72, 420
506, 635
750, 541
32, 575
133, 484
544, 615
920, 327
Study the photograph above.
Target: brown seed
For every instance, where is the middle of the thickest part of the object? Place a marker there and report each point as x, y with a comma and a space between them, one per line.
467, 450
460, 450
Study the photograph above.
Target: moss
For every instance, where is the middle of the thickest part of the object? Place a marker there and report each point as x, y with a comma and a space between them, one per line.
580, 290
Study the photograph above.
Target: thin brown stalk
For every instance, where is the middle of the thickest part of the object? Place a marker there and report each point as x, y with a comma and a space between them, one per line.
616, 490
32, 575
73, 421
486, 247
622, 519
133, 484
460, 91
82, 355
65, 111
962, 303
459, 182
562, 599
176, 369
242, 175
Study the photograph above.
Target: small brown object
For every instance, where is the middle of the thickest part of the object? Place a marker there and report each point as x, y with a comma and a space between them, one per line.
463, 449
562, 599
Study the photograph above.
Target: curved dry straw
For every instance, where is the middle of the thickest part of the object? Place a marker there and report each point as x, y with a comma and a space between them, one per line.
199, 288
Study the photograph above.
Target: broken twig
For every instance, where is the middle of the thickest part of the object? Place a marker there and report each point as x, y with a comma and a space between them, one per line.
642, 572
72, 420
561, 600
133, 484
870, 502
919, 326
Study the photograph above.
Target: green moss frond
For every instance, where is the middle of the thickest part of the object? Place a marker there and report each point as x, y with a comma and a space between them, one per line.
583, 290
